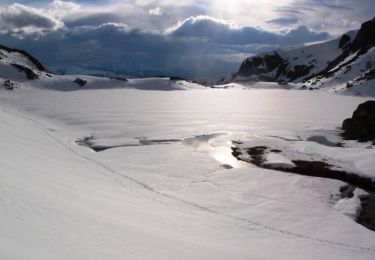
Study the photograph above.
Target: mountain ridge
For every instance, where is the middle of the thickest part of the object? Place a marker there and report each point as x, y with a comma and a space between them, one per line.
318, 65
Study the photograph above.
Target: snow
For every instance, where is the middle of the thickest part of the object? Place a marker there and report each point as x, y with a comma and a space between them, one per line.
275, 160
170, 199
351, 206
322, 53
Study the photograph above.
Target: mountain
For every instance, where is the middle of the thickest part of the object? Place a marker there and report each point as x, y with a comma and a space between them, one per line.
346, 61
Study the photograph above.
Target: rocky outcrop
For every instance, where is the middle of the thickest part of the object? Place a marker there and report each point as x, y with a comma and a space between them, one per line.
80, 82
261, 65
344, 41
361, 126
30, 74
38, 65
272, 67
365, 38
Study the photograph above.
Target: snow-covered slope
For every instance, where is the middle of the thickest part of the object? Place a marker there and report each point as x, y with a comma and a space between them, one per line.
346, 64
159, 195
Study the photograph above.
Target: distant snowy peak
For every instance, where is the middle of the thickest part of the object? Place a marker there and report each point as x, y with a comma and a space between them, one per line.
18, 65
350, 58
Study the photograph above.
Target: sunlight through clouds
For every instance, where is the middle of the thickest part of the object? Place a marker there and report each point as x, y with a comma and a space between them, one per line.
154, 36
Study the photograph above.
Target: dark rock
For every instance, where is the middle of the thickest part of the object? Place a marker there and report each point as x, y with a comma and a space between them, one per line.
365, 38
9, 85
361, 126
29, 72
299, 71
80, 82
344, 41
369, 75
367, 214
283, 83
258, 66
175, 78
120, 79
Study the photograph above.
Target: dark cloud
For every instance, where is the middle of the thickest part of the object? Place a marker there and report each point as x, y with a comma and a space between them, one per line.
115, 48
218, 31
198, 47
284, 20
92, 19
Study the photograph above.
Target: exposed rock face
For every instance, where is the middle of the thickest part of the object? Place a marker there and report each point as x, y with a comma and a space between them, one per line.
272, 67
344, 41
365, 38
362, 124
261, 65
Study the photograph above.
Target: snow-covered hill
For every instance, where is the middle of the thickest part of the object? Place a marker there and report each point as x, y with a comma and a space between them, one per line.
18, 65
346, 64
19, 69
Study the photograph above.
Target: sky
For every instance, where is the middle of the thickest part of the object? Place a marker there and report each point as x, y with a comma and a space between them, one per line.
194, 39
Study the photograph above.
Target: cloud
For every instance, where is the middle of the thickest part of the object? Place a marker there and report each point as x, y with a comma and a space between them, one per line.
284, 21
220, 31
336, 17
92, 19
63, 8
25, 19
156, 12
133, 38
117, 49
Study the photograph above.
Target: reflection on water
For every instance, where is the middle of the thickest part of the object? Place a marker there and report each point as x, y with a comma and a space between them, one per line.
217, 146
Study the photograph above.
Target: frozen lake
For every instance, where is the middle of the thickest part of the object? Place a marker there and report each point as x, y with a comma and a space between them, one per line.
178, 114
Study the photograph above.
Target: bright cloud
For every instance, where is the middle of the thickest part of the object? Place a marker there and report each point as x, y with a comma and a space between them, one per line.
26, 19
63, 8
156, 11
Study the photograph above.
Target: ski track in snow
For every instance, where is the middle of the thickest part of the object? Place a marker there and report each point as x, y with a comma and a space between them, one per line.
322, 242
